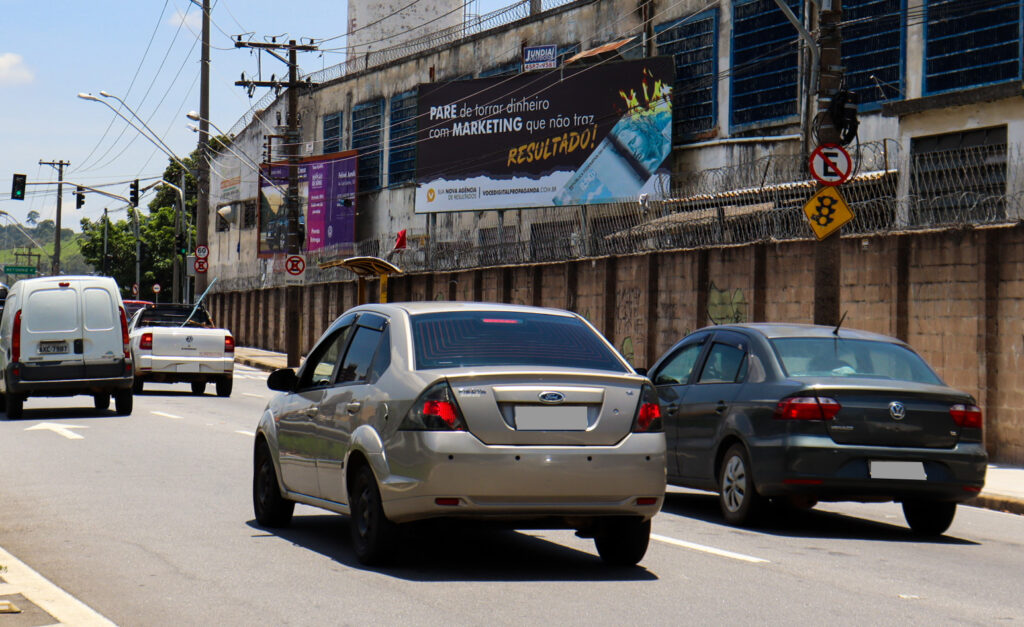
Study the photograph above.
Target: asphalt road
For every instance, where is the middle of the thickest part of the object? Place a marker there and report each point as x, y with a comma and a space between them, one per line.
148, 520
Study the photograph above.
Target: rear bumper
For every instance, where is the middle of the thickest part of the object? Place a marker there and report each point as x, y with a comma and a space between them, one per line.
521, 482
68, 381
183, 369
818, 467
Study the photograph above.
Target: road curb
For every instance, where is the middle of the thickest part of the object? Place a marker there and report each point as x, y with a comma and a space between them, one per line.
998, 503
254, 363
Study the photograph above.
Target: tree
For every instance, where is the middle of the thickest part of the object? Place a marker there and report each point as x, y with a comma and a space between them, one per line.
32, 217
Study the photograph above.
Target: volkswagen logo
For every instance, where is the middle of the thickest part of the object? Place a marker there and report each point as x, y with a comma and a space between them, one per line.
189, 338
551, 398
897, 410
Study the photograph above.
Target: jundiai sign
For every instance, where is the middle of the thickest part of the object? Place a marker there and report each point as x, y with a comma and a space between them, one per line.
579, 135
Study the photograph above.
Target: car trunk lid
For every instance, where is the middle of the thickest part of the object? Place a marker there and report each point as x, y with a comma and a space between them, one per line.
187, 342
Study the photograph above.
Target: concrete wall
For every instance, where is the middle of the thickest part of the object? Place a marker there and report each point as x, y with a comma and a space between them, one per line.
957, 297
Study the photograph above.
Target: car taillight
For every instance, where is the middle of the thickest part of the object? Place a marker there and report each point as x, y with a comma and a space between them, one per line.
648, 413
966, 415
434, 410
125, 340
229, 344
807, 408
146, 342
16, 339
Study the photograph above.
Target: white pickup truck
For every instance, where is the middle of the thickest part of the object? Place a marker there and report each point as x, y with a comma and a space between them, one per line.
179, 343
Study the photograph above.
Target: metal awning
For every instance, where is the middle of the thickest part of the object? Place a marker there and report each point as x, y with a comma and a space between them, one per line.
365, 267
601, 53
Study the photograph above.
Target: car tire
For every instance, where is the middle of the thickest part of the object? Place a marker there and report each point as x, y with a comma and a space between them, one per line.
929, 518
137, 386
123, 402
372, 533
3, 402
271, 509
15, 406
622, 542
101, 401
224, 386
198, 387
737, 493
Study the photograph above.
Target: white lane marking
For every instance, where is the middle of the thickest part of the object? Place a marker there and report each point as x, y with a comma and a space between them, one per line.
65, 608
253, 395
708, 549
64, 430
160, 413
248, 433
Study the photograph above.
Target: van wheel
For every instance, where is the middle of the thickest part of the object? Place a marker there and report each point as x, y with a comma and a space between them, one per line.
102, 401
198, 387
224, 386
123, 401
14, 406
137, 386
3, 402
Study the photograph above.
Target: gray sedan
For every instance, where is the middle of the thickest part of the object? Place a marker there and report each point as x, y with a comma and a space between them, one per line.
805, 413
410, 411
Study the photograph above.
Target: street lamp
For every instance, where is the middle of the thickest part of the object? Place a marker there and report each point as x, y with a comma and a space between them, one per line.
246, 159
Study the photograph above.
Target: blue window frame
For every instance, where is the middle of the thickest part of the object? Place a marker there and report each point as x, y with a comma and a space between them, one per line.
764, 72
332, 132
873, 45
367, 125
693, 44
402, 138
968, 44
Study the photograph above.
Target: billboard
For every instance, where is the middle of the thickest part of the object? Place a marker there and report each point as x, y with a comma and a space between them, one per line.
585, 134
327, 198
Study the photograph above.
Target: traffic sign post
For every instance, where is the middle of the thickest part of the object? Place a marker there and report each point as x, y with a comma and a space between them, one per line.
156, 288
830, 164
21, 270
201, 265
135, 289
827, 212
295, 269
202, 251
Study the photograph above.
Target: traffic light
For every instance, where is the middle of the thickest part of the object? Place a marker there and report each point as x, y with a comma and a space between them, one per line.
181, 243
133, 196
79, 197
18, 187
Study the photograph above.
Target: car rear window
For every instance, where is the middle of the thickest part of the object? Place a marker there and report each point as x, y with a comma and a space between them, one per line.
498, 338
52, 310
99, 309
836, 357
157, 317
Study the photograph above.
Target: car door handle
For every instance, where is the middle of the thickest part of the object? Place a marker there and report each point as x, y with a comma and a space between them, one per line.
721, 407
671, 409
353, 407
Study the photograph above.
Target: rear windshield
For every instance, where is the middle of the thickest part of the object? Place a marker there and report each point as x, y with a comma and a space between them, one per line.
158, 317
834, 357
486, 338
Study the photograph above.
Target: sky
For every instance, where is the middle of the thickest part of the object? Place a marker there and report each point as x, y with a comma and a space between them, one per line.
145, 52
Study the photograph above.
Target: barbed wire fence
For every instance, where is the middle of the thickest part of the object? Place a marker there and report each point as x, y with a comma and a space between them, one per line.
741, 204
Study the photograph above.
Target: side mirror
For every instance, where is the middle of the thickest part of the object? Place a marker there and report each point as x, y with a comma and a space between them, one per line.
282, 380
641, 371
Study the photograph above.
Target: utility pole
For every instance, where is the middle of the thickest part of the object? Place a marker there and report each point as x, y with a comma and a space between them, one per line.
203, 166
293, 242
828, 252
60, 165
106, 260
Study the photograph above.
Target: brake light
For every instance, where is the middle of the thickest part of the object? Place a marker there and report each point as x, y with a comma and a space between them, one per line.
125, 340
435, 410
807, 408
16, 339
648, 414
966, 415
146, 342
229, 344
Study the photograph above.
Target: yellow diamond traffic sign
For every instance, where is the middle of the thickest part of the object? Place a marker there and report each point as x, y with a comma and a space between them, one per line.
827, 211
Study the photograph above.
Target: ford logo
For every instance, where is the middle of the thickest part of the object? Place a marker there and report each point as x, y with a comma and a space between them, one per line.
551, 397
897, 410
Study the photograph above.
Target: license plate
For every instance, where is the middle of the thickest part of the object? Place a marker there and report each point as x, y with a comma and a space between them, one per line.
188, 368
53, 348
897, 470
533, 418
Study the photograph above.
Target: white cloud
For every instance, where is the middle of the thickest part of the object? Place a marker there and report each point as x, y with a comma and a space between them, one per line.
192, 20
13, 70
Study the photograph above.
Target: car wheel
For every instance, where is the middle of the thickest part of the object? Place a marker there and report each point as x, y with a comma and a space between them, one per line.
271, 509
3, 402
15, 405
198, 387
101, 401
123, 402
929, 518
737, 494
372, 532
137, 385
224, 386
623, 541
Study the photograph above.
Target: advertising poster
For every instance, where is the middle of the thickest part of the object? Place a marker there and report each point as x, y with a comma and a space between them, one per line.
327, 196
585, 134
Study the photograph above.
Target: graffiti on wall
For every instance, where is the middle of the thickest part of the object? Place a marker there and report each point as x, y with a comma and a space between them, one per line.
725, 307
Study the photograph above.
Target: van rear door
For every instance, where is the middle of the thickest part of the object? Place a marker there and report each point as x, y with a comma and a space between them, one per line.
102, 342
51, 332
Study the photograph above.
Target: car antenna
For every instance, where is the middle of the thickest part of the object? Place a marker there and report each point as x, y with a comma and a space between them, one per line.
835, 331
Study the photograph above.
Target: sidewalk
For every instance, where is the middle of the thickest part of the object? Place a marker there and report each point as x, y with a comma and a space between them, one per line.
1004, 485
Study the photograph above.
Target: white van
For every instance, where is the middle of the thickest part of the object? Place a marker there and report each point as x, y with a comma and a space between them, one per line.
63, 336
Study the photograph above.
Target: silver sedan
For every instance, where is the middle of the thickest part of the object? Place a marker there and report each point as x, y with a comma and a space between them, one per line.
409, 411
